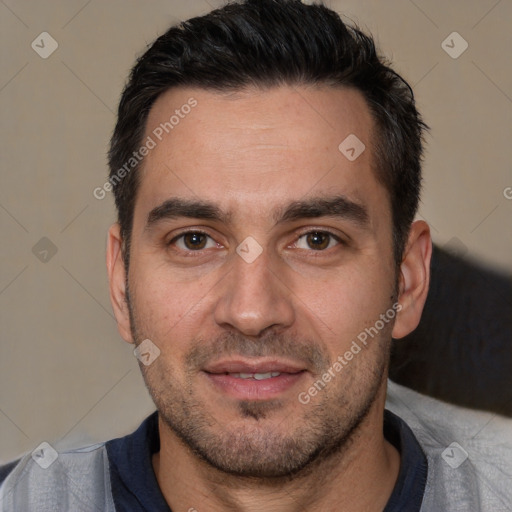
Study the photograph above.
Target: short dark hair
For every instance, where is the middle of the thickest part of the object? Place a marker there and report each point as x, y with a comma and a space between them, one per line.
268, 43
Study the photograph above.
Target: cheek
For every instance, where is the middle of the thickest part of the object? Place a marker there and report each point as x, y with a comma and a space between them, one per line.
163, 305
345, 302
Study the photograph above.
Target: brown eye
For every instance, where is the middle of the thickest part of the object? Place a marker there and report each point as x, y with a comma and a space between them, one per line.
193, 241
317, 241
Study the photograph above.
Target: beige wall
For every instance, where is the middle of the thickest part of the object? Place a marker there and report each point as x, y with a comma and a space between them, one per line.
65, 375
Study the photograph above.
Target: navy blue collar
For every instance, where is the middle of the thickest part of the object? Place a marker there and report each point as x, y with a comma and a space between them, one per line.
133, 480
412, 477
135, 488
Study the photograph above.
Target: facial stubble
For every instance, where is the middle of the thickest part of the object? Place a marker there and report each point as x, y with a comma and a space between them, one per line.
256, 445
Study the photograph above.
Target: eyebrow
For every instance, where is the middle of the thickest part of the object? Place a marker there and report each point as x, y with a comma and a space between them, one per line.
176, 208
337, 206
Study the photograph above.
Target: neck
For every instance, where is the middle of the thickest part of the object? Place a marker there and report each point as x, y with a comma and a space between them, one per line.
361, 476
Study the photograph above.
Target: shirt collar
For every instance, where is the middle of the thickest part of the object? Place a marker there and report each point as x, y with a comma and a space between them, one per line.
135, 487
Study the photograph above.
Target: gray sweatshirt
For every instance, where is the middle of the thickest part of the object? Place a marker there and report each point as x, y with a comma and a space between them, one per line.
453, 460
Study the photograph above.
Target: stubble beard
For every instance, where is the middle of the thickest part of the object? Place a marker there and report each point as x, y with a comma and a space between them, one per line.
255, 446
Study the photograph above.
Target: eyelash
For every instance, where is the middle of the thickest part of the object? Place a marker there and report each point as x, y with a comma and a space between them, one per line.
189, 232
333, 236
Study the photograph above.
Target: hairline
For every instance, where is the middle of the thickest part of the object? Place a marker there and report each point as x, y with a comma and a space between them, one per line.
254, 86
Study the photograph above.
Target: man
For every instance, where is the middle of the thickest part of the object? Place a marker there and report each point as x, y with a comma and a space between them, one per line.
266, 171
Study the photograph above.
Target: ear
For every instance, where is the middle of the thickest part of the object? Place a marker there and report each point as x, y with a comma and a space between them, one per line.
414, 279
117, 281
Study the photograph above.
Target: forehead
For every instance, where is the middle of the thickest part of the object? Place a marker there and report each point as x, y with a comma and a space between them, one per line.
258, 147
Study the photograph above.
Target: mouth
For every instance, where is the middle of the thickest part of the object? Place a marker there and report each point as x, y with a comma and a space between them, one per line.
254, 379
255, 376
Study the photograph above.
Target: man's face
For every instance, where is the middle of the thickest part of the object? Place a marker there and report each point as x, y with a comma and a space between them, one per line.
259, 253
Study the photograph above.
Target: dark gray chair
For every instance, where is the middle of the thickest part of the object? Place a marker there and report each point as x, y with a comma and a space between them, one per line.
461, 351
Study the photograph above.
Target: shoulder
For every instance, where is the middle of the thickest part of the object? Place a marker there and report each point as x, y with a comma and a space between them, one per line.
51, 481
469, 452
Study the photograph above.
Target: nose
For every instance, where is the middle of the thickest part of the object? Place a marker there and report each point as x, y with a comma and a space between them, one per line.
253, 298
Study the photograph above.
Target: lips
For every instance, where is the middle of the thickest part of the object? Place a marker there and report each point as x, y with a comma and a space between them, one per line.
254, 379
253, 367
256, 376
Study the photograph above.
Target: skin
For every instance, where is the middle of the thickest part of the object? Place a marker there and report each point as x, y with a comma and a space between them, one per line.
304, 299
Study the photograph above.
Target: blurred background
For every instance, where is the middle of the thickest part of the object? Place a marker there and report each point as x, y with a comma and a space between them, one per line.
66, 377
